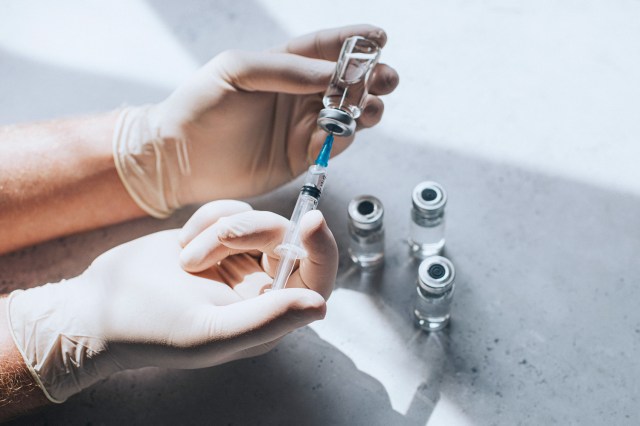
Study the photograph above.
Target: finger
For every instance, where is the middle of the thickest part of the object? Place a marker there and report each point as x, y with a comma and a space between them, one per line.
270, 264
318, 270
273, 72
263, 319
257, 230
372, 112
383, 80
242, 232
207, 215
256, 350
327, 44
244, 275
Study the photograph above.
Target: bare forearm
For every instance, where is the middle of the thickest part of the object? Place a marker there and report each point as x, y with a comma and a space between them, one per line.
58, 178
19, 393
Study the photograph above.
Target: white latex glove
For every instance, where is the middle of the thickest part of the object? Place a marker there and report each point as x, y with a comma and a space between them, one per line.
242, 125
136, 307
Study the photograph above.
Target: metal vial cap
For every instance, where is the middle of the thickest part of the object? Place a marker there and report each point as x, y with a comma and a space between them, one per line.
436, 274
429, 198
336, 121
366, 212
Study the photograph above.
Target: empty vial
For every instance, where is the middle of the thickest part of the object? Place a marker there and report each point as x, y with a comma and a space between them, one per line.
366, 233
347, 91
426, 231
432, 308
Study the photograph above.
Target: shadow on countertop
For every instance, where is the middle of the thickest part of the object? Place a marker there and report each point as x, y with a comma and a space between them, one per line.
302, 381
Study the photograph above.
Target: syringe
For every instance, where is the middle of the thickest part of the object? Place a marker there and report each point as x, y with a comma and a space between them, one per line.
344, 100
291, 248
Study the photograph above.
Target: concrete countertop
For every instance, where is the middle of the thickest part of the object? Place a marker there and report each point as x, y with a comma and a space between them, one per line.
543, 218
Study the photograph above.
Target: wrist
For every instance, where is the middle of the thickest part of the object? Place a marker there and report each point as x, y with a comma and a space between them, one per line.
152, 165
19, 391
58, 331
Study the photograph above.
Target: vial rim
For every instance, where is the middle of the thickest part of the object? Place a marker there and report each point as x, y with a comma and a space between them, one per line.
329, 117
369, 221
429, 283
432, 207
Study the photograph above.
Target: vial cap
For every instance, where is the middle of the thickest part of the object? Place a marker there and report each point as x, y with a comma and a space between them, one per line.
436, 274
429, 198
336, 121
365, 212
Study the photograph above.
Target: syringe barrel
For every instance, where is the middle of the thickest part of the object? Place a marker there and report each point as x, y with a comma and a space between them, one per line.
316, 176
291, 241
307, 201
291, 247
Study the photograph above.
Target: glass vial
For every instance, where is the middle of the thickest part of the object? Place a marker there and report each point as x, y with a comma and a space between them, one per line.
347, 91
366, 233
426, 231
435, 289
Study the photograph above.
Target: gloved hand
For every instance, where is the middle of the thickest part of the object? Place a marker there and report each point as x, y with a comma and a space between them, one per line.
136, 307
243, 125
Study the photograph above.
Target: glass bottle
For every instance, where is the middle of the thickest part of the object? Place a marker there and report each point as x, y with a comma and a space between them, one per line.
434, 293
366, 233
347, 91
426, 231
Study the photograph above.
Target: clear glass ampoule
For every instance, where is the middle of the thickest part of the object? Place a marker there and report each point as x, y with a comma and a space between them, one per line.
366, 231
426, 230
347, 91
434, 293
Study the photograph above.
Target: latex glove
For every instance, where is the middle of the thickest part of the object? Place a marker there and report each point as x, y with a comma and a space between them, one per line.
136, 307
242, 125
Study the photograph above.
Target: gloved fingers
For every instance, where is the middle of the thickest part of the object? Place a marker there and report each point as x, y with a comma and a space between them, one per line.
264, 231
272, 72
247, 324
372, 113
383, 80
243, 232
207, 215
326, 44
244, 275
269, 264
257, 350
318, 270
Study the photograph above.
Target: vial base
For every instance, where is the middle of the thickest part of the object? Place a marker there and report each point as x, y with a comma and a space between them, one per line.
367, 259
346, 98
431, 323
431, 312
424, 250
366, 246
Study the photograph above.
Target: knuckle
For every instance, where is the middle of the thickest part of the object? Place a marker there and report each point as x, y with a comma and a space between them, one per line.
230, 64
391, 79
374, 109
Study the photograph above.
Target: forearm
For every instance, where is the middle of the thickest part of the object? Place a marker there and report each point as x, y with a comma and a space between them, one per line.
19, 392
58, 178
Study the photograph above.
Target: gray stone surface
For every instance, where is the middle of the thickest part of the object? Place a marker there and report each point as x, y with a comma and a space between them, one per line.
545, 328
